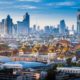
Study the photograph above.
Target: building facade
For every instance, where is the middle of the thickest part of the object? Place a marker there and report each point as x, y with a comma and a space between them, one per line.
78, 21
62, 27
8, 25
24, 26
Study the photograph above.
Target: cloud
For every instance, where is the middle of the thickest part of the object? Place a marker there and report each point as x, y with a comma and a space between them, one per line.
60, 4
26, 7
5, 2
30, 0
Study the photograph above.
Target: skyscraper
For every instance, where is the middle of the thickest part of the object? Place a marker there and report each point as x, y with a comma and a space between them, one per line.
62, 27
26, 22
47, 29
8, 25
24, 26
3, 26
0, 27
19, 27
78, 21
14, 29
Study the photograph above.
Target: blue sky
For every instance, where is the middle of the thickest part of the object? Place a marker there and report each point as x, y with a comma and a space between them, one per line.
42, 12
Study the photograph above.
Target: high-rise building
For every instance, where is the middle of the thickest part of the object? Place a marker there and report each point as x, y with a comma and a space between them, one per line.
14, 29
26, 22
0, 27
3, 26
78, 21
62, 27
8, 25
20, 27
24, 26
47, 29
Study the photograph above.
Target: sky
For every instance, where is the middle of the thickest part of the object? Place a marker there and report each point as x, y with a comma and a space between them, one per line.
42, 12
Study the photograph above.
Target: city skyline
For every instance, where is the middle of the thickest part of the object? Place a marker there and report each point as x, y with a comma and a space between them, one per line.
42, 12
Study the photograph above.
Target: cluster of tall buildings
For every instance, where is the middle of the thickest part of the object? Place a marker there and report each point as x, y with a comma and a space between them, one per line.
61, 29
23, 27
8, 27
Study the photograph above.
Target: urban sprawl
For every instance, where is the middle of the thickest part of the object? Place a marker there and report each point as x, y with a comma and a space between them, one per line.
31, 53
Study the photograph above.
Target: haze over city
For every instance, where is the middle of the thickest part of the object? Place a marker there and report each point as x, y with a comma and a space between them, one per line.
39, 39
42, 12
